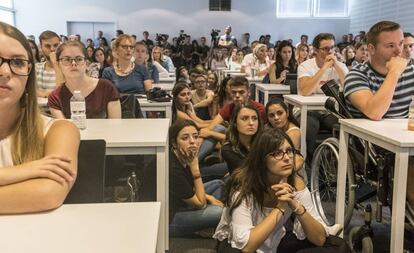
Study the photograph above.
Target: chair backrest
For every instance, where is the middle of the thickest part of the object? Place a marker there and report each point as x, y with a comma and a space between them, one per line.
89, 184
331, 89
130, 107
292, 81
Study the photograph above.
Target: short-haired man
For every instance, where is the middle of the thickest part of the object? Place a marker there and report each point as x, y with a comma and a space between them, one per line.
227, 40
147, 41
46, 71
240, 94
408, 50
303, 40
313, 73
370, 88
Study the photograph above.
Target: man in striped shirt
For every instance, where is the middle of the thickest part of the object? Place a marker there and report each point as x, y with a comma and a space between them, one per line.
383, 86
46, 71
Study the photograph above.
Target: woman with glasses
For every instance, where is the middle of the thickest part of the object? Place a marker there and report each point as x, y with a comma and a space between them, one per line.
261, 197
243, 128
101, 97
38, 155
127, 76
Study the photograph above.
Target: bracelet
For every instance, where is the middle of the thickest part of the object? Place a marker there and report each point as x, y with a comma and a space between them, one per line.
196, 176
300, 214
280, 210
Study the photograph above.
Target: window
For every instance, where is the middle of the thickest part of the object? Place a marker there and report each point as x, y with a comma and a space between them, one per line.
312, 8
7, 11
220, 5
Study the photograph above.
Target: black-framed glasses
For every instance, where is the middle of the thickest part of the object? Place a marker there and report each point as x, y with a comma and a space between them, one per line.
125, 47
18, 66
279, 154
327, 49
67, 61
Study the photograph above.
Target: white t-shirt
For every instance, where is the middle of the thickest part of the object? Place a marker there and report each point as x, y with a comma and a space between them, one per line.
5, 145
309, 68
236, 229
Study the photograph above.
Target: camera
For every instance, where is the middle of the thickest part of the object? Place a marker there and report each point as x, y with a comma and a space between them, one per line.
214, 33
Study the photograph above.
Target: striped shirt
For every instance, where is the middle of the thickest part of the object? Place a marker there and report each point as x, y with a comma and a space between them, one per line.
364, 77
45, 79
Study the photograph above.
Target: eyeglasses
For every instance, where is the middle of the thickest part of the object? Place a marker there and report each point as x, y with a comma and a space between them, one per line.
66, 61
20, 67
327, 49
126, 47
410, 46
279, 154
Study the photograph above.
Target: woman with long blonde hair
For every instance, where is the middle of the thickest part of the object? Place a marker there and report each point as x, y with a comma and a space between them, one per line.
38, 156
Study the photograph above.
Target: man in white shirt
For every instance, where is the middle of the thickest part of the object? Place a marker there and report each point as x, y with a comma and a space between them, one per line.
227, 40
311, 75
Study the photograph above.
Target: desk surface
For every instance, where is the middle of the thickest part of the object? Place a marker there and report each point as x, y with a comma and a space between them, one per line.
391, 130
165, 86
273, 87
42, 101
306, 100
128, 132
104, 228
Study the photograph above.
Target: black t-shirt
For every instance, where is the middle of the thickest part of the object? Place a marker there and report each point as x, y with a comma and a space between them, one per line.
233, 159
181, 185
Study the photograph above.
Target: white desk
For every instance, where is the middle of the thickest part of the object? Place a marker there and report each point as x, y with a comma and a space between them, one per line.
138, 137
391, 134
269, 89
149, 106
305, 103
42, 102
104, 228
255, 79
165, 86
220, 74
231, 72
167, 79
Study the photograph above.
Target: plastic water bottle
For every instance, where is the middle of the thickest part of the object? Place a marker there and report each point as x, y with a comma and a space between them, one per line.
411, 115
78, 110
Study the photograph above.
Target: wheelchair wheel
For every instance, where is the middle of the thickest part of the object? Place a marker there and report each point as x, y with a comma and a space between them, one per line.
366, 245
323, 182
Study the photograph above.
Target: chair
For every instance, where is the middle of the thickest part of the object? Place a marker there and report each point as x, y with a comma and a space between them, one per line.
89, 184
292, 81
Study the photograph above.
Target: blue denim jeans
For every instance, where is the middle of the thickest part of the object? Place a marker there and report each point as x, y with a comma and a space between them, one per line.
190, 220
215, 171
208, 144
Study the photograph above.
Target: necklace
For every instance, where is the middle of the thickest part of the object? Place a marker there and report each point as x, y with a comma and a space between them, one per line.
125, 72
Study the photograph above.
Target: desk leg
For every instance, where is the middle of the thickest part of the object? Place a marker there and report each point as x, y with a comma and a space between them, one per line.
266, 97
257, 94
398, 200
341, 179
303, 122
162, 196
168, 112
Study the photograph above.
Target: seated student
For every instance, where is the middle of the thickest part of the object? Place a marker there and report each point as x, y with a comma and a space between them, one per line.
262, 196
243, 128
38, 156
311, 75
127, 76
212, 79
348, 54
240, 94
302, 53
98, 64
157, 59
181, 75
194, 205
382, 86
142, 57
259, 64
222, 96
361, 53
279, 116
101, 96
285, 63
219, 59
182, 108
202, 98
234, 60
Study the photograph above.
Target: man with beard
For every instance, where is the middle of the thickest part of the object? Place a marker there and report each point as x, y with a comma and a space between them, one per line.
46, 71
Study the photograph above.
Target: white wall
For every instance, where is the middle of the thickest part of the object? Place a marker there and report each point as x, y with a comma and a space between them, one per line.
169, 16
366, 13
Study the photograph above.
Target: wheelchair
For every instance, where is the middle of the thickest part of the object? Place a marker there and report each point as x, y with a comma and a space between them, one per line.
369, 175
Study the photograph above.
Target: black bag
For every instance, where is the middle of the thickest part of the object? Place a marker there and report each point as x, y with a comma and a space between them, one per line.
158, 95
130, 107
